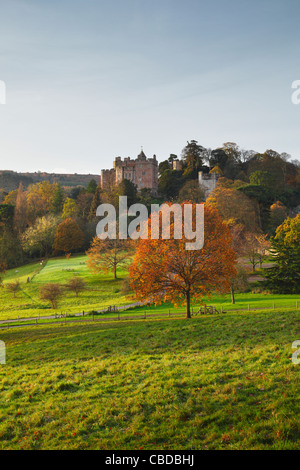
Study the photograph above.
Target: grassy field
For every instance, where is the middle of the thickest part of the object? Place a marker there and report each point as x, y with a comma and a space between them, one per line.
212, 382
103, 291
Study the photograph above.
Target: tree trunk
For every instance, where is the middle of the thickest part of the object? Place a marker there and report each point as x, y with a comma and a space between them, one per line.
232, 295
115, 271
188, 305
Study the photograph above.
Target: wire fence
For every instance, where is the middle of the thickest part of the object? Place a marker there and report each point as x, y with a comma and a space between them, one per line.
126, 312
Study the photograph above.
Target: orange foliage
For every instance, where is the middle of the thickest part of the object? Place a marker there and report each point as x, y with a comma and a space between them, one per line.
68, 238
163, 270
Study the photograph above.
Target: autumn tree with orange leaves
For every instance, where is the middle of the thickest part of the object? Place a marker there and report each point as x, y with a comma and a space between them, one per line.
163, 270
68, 238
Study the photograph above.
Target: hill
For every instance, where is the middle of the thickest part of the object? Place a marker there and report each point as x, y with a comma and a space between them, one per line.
10, 180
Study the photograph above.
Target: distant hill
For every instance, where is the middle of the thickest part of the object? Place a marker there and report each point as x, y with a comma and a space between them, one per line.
10, 180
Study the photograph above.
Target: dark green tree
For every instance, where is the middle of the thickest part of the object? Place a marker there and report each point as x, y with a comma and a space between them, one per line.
284, 276
91, 187
126, 188
170, 183
95, 203
192, 155
58, 200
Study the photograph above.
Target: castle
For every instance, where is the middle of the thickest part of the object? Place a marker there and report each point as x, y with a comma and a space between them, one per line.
142, 171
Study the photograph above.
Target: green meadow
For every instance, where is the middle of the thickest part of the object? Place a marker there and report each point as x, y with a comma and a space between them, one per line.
212, 382
103, 291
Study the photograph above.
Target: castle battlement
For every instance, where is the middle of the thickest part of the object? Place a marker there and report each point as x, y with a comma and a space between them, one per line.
142, 171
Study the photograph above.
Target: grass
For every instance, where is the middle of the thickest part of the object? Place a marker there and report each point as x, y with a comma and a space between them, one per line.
101, 290
213, 382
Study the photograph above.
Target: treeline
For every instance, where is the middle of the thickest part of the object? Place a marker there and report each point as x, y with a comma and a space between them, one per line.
255, 194
46, 219
10, 180
269, 182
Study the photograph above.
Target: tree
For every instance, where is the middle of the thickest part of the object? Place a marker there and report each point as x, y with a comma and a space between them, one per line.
233, 206
278, 214
126, 188
3, 267
263, 248
284, 276
58, 200
20, 214
84, 202
233, 166
39, 238
193, 158
262, 197
68, 237
163, 270
40, 197
13, 287
96, 201
7, 212
51, 292
10, 249
70, 208
76, 284
169, 183
163, 166
251, 248
92, 186
239, 282
262, 178
11, 198
107, 255
191, 191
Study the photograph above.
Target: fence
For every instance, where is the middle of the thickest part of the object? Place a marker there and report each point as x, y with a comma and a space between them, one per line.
100, 315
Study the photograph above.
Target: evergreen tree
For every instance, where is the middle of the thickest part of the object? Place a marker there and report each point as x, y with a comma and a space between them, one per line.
91, 187
58, 200
284, 277
193, 157
95, 203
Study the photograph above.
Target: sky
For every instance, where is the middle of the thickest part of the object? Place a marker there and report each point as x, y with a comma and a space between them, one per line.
90, 80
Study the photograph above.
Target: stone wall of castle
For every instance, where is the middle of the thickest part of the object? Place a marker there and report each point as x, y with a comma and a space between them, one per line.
142, 171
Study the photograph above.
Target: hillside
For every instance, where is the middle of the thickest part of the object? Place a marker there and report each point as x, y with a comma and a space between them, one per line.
10, 180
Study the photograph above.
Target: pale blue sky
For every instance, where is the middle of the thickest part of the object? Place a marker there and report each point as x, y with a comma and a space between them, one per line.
89, 80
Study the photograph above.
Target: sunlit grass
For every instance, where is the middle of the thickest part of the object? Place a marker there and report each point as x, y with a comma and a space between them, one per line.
213, 382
